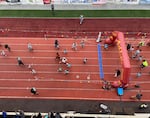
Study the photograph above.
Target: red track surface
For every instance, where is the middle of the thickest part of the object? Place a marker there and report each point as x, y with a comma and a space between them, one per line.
16, 81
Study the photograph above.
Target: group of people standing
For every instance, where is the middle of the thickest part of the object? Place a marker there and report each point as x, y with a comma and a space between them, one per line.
135, 54
64, 64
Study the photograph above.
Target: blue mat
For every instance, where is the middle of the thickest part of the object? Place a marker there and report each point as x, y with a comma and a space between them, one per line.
100, 61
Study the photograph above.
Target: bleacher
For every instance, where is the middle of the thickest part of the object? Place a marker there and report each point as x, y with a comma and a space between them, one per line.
144, 2
79, 1
78, 115
74, 2
15, 2
97, 2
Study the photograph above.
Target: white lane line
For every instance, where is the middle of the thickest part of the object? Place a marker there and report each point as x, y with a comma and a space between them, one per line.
54, 80
128, 39
72, 98
48, 72
79, 81
140, 82
75, 72
69, 51
74, 65
68, 98
49, 57
43, 57
53, 51
49, 39
146, 73
66, 89
50, 44
14, 64
69, 89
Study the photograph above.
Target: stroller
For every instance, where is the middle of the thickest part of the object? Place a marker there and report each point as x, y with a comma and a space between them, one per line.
104, 109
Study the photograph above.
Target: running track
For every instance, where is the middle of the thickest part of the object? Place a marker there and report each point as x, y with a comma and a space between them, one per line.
15, 82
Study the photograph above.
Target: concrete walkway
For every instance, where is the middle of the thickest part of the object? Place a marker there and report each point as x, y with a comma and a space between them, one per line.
107, 6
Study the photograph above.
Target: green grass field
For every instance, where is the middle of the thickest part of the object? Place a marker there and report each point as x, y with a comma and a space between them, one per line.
75, 13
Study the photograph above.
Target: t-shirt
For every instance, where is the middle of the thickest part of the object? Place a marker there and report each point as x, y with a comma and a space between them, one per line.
138, 96
141, 43
145, 63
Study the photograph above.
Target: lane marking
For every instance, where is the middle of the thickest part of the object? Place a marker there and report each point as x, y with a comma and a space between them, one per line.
49, 72
46, 50
75, 72
11, 64
64, 80
72, 98
52, 80
49, 57
65, 98
67, 89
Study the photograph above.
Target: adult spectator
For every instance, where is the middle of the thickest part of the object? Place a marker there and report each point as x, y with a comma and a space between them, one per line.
60, 69
39, 115
52, 7
65, 51
139, 58
34, 91
30, 48
106, 46
51, 115
3, 53
128, 47
117, 73
66, 72
57, 115
74, 46
4, 114
21, 114
82, 43
139, 96
85, 60
33, 71
56, 43
57, 56
81, 19
64, 60
68, 65
144, 64
137, 53
138, 74
20, 62
141, 43
7, 47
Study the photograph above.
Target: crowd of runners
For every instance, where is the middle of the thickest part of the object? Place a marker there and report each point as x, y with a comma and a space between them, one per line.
64, 65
